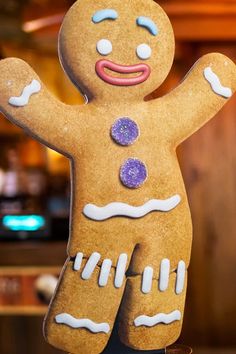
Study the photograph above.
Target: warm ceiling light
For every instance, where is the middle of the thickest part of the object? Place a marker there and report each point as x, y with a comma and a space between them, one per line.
35, 25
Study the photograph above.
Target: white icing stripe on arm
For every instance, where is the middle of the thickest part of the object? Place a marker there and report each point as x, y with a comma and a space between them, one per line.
28, 91
180, 277
164, 274
215, 83
65, 318
122, 209
105, 271
90, 265
147, 280
78, 261
159, 318
120, 270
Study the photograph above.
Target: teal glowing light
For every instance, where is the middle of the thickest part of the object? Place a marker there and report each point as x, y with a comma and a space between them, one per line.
23, 222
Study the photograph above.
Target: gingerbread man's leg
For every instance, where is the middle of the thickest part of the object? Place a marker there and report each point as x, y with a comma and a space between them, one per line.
151, 319
84, 308
153, 304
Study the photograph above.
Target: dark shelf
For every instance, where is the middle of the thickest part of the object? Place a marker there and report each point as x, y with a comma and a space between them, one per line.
32, 253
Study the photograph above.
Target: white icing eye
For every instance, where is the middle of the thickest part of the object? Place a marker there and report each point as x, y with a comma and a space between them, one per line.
144, 51
104, 47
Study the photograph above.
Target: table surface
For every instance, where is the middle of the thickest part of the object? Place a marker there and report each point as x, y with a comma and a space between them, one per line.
201, 351
214, 351
116, 347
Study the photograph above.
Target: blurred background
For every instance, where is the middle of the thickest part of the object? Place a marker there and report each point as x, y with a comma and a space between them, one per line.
35, 183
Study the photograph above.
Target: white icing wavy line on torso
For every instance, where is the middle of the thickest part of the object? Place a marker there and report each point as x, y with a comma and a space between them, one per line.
180, 277
215, 83
148, 321
122, 209
147, 280
65, 318
28, 91
164, 274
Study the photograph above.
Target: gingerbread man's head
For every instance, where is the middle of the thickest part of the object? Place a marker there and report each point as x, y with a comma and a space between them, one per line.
116, 49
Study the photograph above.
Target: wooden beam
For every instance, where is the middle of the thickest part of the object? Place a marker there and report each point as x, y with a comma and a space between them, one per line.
194, 28
182, 8
192, 21
208, 21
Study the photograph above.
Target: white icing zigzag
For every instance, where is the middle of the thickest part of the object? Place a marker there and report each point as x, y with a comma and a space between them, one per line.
215, 83
159, 318
122, 209
28, 91
65, 318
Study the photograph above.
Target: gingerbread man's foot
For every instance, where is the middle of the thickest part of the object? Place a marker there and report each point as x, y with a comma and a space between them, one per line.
84, 308
152, 318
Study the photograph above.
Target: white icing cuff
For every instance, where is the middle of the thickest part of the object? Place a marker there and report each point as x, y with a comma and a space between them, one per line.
28, 91
148, 321
215, 83
65, 318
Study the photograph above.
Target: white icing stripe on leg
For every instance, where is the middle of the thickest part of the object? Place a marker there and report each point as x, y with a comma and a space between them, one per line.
159, 318
120, 270
78, 261
215, 83
90, 265
164, 274
180, 277
23, 99
65, 318
147, 280
105, 271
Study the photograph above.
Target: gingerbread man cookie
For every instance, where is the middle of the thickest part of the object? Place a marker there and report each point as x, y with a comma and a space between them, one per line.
131, 231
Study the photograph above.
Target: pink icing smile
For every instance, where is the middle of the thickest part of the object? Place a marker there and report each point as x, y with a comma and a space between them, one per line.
103, 64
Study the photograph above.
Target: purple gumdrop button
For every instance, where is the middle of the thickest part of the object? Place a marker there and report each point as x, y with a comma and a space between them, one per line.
133, 173
124, 131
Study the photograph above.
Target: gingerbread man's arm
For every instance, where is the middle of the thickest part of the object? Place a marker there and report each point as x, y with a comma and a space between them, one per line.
26, 102
203, 92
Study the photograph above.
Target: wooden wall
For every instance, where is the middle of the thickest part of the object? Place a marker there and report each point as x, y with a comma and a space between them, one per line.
208, 161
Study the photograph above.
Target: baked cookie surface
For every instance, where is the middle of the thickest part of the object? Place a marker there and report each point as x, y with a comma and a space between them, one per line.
131, 231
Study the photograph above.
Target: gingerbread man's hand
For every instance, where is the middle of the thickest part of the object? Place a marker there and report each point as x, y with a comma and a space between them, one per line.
203, 92
26, 102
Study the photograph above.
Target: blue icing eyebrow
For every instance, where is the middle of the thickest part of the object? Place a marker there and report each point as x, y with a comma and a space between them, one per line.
106, 14
148, 23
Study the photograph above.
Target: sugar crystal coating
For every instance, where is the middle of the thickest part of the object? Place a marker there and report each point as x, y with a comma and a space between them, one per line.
124, 131
133, 173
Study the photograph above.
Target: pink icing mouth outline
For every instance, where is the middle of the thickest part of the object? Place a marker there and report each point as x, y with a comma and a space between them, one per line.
144, 70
